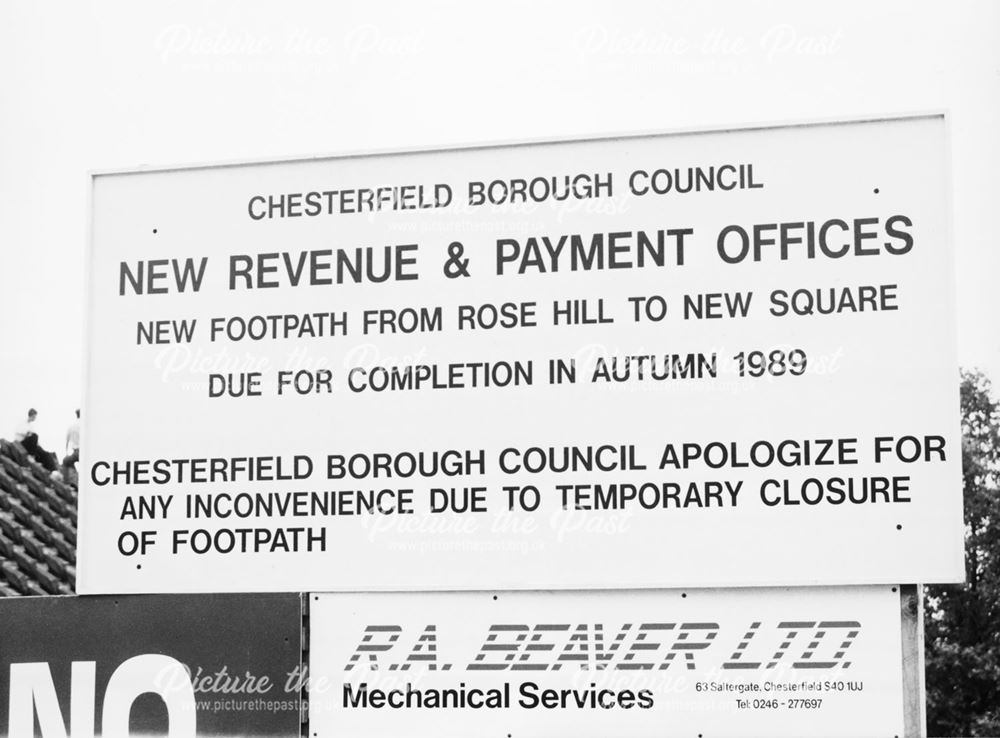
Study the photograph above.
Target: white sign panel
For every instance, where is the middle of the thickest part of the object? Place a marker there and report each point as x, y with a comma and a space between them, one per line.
721, 358
665, 663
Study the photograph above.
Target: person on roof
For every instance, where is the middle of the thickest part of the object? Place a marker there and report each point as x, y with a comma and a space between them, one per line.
28, 437
72, 444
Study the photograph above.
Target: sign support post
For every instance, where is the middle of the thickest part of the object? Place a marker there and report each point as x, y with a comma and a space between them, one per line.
911, 602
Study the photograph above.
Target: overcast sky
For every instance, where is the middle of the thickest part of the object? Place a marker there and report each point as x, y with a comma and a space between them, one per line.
105, 85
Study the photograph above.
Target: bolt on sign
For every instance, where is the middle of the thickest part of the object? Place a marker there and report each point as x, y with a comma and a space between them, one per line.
808, 661
183, 666
715, 358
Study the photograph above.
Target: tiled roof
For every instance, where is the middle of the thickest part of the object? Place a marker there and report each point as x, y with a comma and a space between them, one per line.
37, 527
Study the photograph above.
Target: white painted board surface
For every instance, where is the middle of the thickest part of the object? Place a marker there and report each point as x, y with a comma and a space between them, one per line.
755, 382
767, 662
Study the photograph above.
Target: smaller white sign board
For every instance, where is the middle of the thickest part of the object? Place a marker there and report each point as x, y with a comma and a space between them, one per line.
777, 662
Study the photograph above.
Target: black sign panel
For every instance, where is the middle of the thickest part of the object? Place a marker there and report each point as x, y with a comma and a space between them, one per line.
156, 665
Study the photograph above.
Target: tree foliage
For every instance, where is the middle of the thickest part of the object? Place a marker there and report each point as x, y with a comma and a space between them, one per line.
962, 622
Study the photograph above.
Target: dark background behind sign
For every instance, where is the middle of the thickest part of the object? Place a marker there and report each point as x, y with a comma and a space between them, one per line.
259, 634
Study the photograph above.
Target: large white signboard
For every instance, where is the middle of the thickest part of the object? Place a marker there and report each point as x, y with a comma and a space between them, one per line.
667, 663
720, 358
